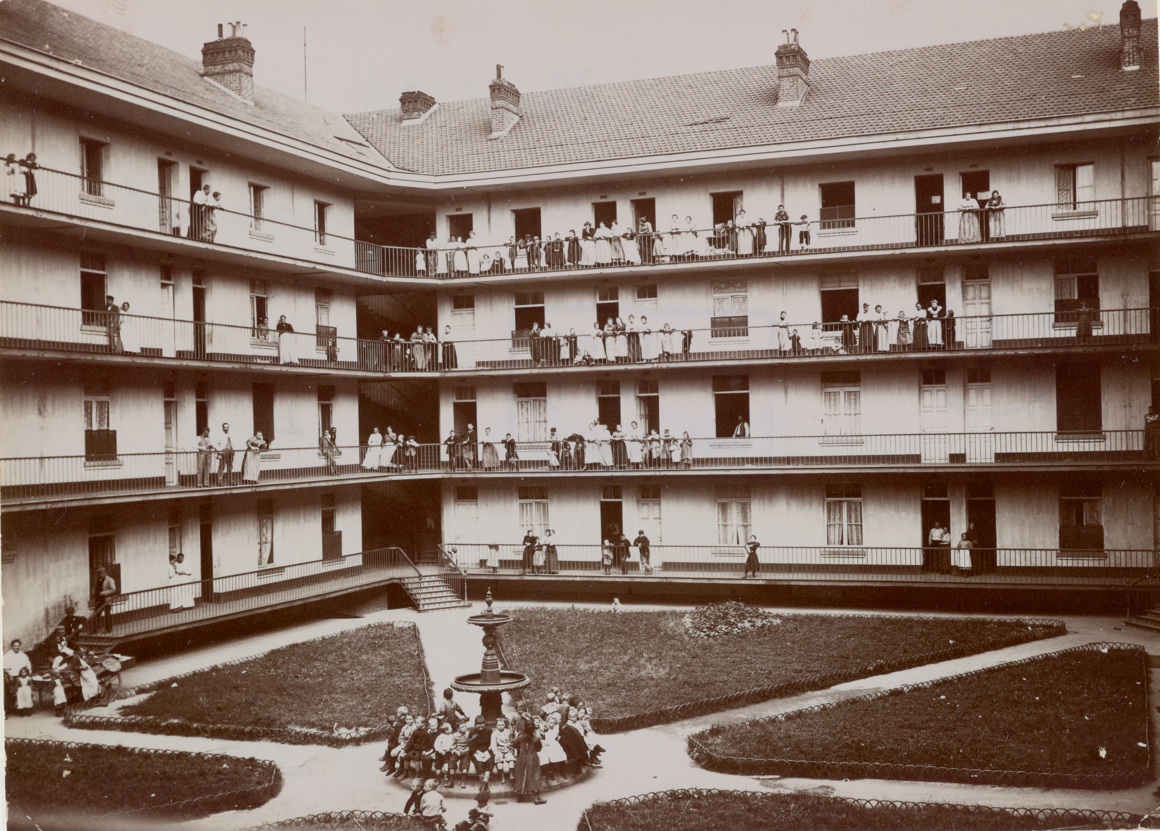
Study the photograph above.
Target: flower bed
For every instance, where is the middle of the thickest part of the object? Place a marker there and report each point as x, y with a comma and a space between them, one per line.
699, 810
1076, 718
637, 669
347, 821
86, 781
336, 690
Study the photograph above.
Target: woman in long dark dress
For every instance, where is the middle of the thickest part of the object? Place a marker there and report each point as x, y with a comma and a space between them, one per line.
847, 327
751, 564
450, 359
919, 335
619, 449
526, 775
572, 248
530, 542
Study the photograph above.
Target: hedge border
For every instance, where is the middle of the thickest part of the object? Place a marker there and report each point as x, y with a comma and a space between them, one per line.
679, 712
331, 817
1061, 817
156, 725
173, 807
825, 769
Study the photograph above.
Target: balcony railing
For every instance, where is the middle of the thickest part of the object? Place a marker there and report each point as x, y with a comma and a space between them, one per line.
31, 480
197, 601
1040, 330
30, 326
71, 195
839, 563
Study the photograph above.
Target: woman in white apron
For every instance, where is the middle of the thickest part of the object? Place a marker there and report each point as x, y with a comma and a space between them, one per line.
634, 442
441, 264
744, 236
587, 245
373, 460
603, 245
648, 341
472, 254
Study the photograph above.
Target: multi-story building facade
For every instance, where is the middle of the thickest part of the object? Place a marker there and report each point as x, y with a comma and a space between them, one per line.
1023, 412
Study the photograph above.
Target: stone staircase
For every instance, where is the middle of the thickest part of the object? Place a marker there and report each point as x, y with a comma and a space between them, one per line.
431, 593
1149, 619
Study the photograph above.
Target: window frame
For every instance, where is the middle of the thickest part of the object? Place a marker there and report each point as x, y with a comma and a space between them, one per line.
650, 495
259, 309
463, 311
732, 296
733, 531
321, 209
845, 495
93, 151
839, 215
1083, 500
1070, 190
847, 387
521, 333
537, 405
1076, 279
257, 206
529, 498
326, 394
731, 381
93, 265
264, 514
1069, 373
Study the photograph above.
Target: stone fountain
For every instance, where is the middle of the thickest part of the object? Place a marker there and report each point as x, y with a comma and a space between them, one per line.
491, 682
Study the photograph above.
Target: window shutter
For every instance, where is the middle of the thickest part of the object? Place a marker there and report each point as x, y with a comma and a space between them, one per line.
1085, 189
1066, 287
1065, 186
1093, 513
834, 523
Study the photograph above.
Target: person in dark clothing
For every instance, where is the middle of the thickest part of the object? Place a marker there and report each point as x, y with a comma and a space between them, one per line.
619, 549
578, 442
393, 738
530, 542
573, 744
751, 564
511, 457
642, 545
413, 801
420, 751
783, 229
479, 752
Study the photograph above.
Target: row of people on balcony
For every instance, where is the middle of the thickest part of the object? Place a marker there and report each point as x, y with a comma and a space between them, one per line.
616, 342
390, 451
596, 447
220, 448
981, 221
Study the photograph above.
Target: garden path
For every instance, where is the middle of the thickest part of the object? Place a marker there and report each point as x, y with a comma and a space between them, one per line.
320, 779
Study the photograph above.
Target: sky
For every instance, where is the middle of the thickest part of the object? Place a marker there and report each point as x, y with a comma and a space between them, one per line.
360, 55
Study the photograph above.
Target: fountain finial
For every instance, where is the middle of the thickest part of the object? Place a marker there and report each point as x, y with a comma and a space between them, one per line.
489, 600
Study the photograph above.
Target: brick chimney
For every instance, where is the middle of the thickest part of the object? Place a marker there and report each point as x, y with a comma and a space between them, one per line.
1130, 35
505, 104
229, 61
793, 71
415, 105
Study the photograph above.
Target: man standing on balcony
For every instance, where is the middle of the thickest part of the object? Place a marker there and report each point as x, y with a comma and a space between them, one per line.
113, 322
204, 458
783, 229
432, 253
197, 212
741, 431
103, 591
225, 450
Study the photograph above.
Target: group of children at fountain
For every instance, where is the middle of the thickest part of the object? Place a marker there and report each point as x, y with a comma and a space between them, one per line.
449, 747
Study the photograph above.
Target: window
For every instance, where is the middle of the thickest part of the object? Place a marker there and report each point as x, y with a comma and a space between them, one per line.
467, 514
730, 309
529, 310
843, 514
607, 304
648, 406
175, 532
463, 311
325, 408
648, 292
100, 441
726, 206
837, 205
201, 407
839, 297
531, 411
93, 289
1075, 186
731, 400
460, 225
732, 515
1081, 521
603, 212
320, 211
842, 399
527, 221
259, 309
92, 166
931, 286
257, 205
325, 335
608, 403
534, 509
649, 512
1078, 402
103, 548
265, 532
331, 536
264, 411
1077, 282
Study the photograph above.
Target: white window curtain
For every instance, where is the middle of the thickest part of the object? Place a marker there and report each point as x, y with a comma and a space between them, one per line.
533, 419
843, 522
843, 412
534, 515
265, 540
732, 523
96, 414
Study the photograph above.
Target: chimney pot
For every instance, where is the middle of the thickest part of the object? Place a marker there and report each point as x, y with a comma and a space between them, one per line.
1130, 35
499, 72
793, 71
220, 33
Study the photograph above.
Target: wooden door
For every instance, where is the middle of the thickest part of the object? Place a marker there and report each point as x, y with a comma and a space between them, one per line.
977, 313
935, 447
171, 471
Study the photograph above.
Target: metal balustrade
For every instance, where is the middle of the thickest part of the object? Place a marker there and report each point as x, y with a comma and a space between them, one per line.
71, 195
62, 478
197, 601
868, 564
55, 328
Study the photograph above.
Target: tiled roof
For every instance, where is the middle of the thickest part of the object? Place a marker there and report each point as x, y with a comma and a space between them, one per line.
69, 36
1008, 79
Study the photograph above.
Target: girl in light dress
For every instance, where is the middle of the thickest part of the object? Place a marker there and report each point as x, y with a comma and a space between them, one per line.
882, 330
621, 332
782, 334
617, 243
421, 263
539, 559
603, 245
594, 344
490, 454
24, 692
390, 457
374, 457
587, 245
492, 560
692, 244
969, 230
181, 587
459, 251
934, 323
606, 557
744, 233
130, 330
252, 461
677, 244
996, 227
409, 727
631, 251
472, 246
666, 342
552, 755
501, 749
634, 442
686, 446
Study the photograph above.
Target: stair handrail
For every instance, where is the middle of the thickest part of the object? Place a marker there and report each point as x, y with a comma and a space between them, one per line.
448, 563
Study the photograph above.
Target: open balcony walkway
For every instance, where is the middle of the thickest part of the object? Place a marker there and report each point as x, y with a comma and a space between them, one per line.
105, 474
37, 331
91, 200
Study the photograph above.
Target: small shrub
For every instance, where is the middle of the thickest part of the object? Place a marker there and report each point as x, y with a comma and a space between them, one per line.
729, 618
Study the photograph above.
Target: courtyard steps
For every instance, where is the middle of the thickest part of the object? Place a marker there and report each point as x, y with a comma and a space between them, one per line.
430, 593
1146, 620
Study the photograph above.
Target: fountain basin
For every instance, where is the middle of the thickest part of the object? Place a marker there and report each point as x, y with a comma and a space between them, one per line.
476, 683
495, 619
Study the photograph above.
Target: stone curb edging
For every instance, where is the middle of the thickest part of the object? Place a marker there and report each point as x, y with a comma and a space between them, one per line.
238, 732
756, 695
815, 769
1060, 817
271, 767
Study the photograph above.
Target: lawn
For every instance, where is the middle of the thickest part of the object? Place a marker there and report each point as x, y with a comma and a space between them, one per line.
746, 811
1080, 713
633, 662
90, 781
353, 679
